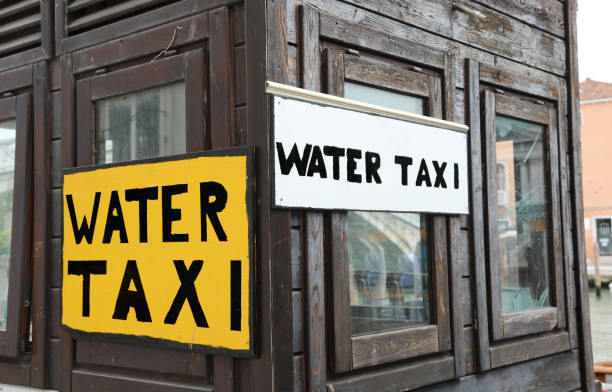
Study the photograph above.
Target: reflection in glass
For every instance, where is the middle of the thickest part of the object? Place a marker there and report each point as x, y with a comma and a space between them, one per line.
523, 220
388, 266
146, 124
388, 253
7, 170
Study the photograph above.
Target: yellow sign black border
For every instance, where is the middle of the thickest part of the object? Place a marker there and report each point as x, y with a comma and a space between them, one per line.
247, 151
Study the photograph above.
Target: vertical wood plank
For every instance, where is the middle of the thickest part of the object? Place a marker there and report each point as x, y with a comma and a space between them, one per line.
582, 294
566, 218
40, 234
315, 302
221, 78
555, 215
221, 127
85, 123
455, 251
195, 105
440, 266
337, 228
490, 205
66, 352
314, 293
472, 109
266, 59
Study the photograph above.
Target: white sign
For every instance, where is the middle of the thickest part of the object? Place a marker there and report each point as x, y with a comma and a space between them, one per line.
327, 157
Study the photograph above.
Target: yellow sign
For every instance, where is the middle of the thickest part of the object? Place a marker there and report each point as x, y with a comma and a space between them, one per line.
161, 251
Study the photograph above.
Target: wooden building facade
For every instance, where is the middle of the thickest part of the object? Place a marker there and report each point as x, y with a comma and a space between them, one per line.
79, 80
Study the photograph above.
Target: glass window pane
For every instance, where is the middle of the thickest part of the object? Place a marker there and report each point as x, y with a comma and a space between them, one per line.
388, 253
376, 96
523, 219
604, 236
7, 170
389, 271
146, 124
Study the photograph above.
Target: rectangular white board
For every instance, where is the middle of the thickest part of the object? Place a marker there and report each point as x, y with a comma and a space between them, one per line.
333, 158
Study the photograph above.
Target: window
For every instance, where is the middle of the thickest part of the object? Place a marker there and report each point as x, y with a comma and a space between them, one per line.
604, 235
8, 131
523, 216
142, 111
387, 252
15, 196
140, 125
390, 298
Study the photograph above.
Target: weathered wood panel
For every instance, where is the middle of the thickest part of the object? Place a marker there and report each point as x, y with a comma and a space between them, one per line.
93, 381
551, 374
398, 378
148, 358
370, 350
466, 301
298, 322
296, 259
491, 31
528, 322
521, 350
542, 14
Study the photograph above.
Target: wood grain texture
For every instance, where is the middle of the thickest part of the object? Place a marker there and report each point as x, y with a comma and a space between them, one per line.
543, 14
298, 322
582, 293
148, 43
477, 254
515, 107
94, 381
558, 372
439, 24
221, 79
315, 301
555, 215
491, 214
388, 76
196, 111
296, 259
566, 217
466, 301
374, 349
40, 232
529, 322
441, 287
337, 227
518, 351
148, 358
397, 378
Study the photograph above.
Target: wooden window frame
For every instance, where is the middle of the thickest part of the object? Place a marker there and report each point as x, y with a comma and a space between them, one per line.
355, 352
187, 67
526, 322
13, 339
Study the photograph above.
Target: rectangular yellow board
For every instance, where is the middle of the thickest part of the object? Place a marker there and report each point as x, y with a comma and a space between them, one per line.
161, 251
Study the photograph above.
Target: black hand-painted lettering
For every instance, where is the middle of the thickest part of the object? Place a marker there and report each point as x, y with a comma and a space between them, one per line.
236, 295
456, 167
127, 298
187, 292
208, 189
86, 268
335, 153
170, 214
301, 163
404, 162
423, 175
142, 195
372, 164
439, 174
86, 230
351, 165
114, 220
317, 164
